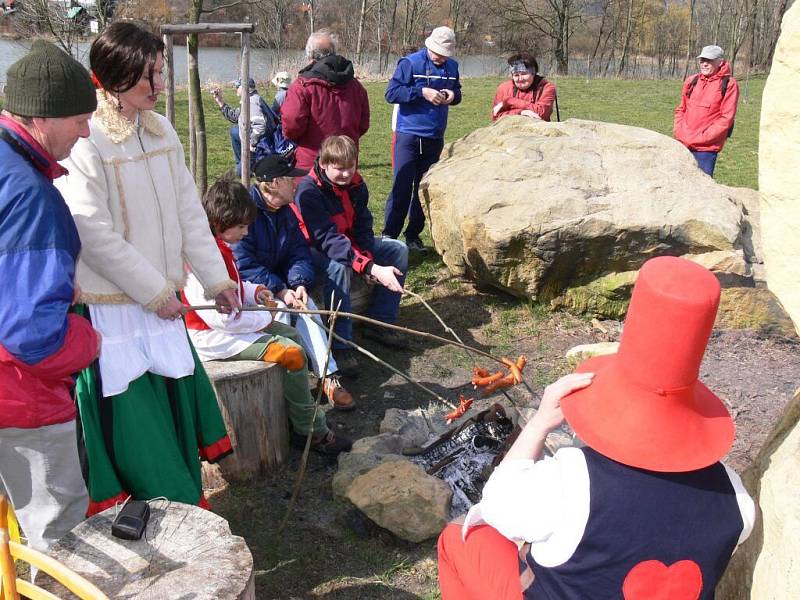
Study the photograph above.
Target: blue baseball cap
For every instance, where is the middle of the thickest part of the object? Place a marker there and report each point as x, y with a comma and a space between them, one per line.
251, 83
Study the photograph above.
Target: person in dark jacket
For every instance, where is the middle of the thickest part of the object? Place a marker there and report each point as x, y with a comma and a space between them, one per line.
324, 100
49, 98
333, 204
704, 118
424, 85
275, 254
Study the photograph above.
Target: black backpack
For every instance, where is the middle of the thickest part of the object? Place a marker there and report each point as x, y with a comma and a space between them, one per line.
723, 88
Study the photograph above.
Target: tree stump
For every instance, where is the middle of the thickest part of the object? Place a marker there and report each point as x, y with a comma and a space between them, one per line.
186, 552
250, 396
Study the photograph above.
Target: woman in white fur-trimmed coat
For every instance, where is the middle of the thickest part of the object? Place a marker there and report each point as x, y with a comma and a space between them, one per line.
146, 406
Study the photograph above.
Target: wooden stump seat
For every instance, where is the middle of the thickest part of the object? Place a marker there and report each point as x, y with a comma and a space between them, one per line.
250, 396
186, 552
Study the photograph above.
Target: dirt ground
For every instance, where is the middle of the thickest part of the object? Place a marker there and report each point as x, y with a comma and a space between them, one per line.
327, 551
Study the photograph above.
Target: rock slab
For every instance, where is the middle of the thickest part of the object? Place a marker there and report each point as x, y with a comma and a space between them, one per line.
779, 167
401, 497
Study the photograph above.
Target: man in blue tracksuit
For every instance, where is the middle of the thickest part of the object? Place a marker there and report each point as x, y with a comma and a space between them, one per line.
423, 86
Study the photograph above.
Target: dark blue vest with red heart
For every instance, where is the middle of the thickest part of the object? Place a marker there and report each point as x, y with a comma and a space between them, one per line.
647, 532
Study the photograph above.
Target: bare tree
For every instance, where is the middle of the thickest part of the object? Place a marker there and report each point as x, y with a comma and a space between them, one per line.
35, 18
554, 19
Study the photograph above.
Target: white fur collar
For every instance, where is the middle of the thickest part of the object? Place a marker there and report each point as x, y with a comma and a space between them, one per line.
116, 126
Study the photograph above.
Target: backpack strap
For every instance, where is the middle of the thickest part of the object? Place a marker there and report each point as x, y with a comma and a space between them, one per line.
692, 83
723, 85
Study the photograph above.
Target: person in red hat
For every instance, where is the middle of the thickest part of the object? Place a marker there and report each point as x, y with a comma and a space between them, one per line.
644, 510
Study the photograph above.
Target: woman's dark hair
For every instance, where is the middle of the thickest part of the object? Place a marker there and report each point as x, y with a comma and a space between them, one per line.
227, 204
525, 57
119, 56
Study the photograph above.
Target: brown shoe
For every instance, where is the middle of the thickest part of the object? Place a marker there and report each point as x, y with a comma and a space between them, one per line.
336, 394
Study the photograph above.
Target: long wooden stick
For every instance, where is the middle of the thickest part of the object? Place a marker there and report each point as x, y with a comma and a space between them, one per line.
395, 370
304, 460
466, 348
301, 311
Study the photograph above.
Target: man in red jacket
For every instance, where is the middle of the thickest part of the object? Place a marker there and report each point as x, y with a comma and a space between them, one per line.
704, 118
49, 98
324, 100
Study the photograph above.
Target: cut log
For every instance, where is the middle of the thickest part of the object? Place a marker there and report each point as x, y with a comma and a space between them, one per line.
186, 552
250, 396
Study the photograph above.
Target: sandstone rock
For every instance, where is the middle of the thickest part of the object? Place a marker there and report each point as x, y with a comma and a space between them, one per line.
401, 497
352, 465
384, 443
606, 296
779, 167
766, 565
535, 208
411, 426
578, 354
753, 308
729, 266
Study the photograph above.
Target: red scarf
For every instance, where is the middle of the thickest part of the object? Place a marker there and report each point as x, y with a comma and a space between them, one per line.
41, 158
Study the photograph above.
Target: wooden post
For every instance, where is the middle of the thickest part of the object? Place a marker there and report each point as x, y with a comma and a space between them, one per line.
244, 129
169, 61
192, 138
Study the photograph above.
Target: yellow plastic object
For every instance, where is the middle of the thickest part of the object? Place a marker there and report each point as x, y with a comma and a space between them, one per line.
10, 551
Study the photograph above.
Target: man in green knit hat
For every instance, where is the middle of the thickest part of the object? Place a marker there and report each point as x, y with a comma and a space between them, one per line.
49, 98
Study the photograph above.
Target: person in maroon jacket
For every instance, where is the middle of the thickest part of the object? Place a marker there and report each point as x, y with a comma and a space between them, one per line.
324, 100
704, 117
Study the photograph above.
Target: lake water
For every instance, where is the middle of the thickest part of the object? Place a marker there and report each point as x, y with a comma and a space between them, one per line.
222, 64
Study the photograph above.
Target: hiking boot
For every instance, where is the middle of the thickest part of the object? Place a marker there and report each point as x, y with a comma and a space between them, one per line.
416, 245
326, 443
390, 338
347, 362
336, 394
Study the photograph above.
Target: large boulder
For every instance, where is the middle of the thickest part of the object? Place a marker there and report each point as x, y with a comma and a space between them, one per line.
401, 497
536, 208
779, 167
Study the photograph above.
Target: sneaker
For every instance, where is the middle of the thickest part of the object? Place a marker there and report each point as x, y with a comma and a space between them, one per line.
347, 362
328, 443
383, 335
416, 245
336, 394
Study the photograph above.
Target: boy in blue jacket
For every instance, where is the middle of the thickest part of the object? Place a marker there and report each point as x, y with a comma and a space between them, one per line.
423, 87
275, 254
333, 204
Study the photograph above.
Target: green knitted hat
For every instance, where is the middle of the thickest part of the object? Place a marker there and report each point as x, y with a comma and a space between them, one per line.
48, 82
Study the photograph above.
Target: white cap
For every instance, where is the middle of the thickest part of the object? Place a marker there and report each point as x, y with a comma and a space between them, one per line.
282, 79
442, 40
711, 52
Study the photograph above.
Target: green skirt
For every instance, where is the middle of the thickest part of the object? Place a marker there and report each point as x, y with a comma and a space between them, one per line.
148, 441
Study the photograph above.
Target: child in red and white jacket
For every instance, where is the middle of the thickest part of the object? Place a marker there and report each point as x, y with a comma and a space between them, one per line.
254, 335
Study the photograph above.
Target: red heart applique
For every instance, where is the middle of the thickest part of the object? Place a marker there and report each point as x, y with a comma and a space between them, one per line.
653, 580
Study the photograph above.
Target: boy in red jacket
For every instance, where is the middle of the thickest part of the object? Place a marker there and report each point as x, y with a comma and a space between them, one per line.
704, 118
333, 204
